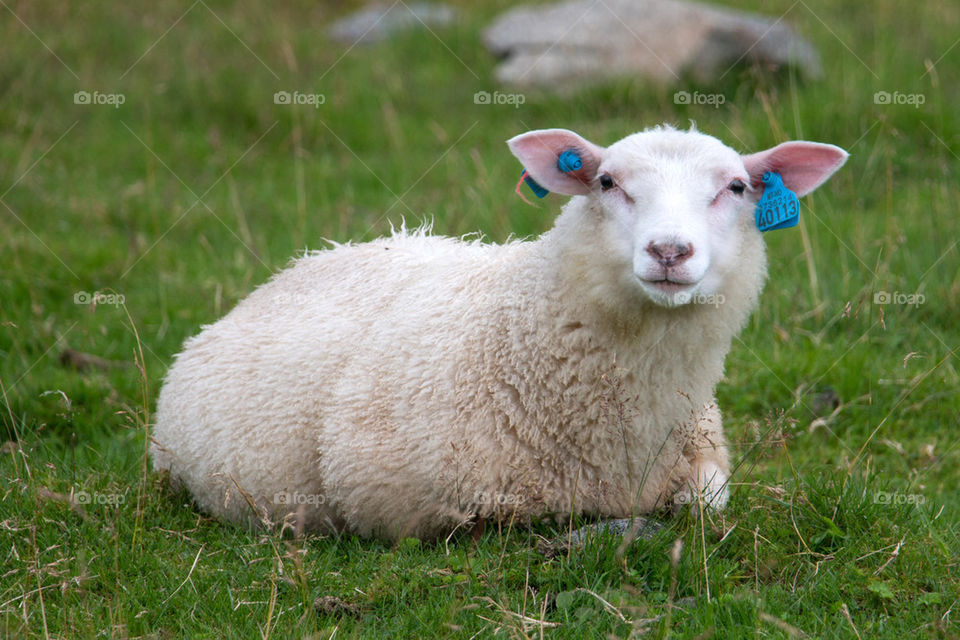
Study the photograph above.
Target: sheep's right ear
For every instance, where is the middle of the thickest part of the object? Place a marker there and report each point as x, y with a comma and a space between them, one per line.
539, 151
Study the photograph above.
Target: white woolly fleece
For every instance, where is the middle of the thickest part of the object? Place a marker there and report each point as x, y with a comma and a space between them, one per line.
405, 385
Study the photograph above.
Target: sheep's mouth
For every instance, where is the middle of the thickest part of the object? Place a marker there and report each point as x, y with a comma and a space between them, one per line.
669, 286
669, 293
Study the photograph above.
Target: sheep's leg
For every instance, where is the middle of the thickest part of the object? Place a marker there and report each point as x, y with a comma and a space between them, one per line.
705, 447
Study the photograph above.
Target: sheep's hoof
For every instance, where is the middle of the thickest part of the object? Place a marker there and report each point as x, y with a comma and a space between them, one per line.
628, 528
708, 489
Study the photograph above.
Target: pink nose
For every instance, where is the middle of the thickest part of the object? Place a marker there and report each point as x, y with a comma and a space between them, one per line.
670, 254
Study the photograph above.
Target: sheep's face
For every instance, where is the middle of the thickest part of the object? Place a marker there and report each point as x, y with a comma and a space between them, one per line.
675, 205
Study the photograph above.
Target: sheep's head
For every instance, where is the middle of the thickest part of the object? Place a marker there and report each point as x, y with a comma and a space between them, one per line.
675, 203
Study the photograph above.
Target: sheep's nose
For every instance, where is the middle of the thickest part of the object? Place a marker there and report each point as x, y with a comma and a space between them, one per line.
670, 254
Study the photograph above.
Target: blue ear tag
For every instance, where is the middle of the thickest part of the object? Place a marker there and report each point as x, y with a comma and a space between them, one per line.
778, 207
568, 161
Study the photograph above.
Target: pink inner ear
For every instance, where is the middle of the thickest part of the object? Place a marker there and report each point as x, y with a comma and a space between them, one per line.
540, 150
804, 166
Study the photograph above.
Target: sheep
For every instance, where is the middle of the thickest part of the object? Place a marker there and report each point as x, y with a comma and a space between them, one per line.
411, 384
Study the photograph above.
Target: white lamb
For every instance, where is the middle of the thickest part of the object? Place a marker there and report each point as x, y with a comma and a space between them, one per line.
410, 384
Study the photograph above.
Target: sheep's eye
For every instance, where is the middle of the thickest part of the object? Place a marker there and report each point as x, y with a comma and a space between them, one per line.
738, 187
606, 182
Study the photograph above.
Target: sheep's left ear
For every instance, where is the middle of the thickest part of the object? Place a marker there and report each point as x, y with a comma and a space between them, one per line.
539, 151
804, 166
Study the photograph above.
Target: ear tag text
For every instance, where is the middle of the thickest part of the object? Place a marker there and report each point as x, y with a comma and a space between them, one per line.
778, 207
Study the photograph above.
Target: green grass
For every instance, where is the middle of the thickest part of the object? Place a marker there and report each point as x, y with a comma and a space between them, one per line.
96, 198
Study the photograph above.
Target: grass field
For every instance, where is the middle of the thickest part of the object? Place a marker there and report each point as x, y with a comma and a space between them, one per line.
174, 205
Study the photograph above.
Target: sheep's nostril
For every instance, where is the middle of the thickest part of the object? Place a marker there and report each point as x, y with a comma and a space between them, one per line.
670, 254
